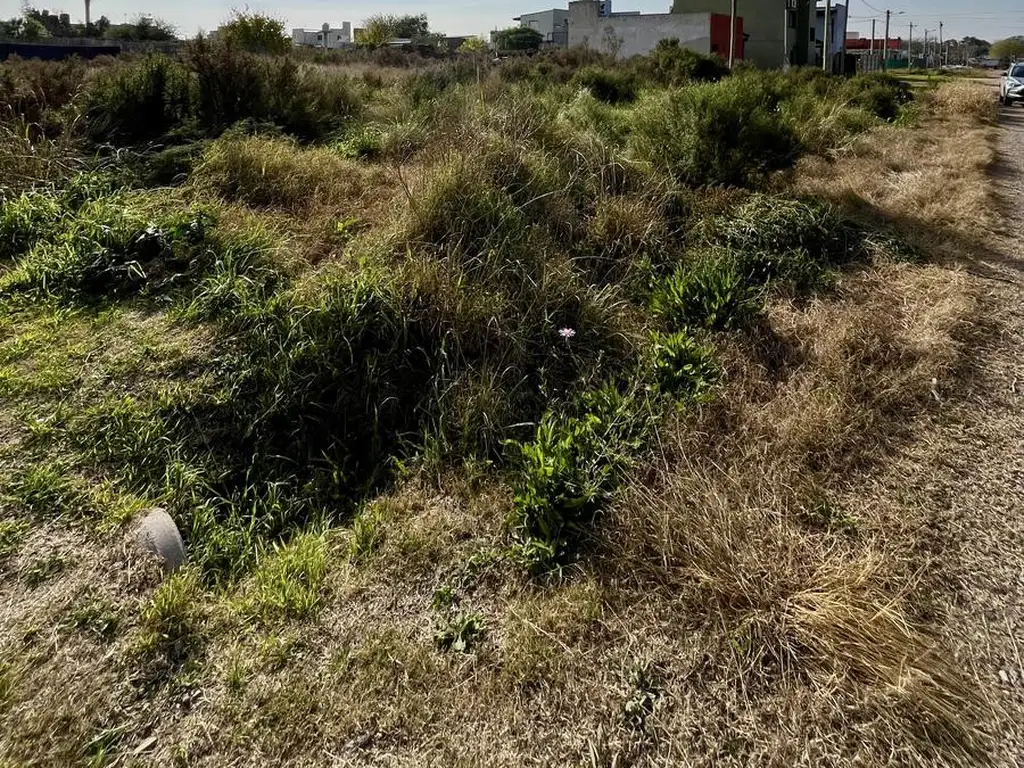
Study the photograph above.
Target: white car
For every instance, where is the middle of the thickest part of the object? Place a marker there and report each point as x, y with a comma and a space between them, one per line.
1011, 87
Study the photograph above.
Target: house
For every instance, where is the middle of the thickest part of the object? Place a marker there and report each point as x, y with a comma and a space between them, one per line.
552, 24
776, 32
325, 37
836, 37
632, 33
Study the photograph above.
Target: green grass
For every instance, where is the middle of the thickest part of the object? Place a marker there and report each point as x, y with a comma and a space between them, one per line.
545, 290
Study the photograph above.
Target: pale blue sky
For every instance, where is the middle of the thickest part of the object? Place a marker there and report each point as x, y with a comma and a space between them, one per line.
989, 19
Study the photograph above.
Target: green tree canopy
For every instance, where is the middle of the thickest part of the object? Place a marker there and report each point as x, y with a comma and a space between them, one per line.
256, 33
143, 29
23, 29
518, 39
380, 28
1010, 49
976, 46
472, 45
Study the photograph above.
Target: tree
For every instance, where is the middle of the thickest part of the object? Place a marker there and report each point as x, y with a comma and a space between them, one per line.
380, 28
976, 46
472, 45
23, 29
413, 28
517, 39
256, 33
1010, 49
143, 29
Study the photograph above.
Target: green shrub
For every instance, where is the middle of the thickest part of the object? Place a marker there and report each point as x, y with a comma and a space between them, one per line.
568, 471
715, 133
612, 86
709, 292
141, 100
683, 366
780, 224
880, 94
669, 64
33, 91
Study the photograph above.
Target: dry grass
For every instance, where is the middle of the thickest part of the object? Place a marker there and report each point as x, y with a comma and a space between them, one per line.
966, 97
739, 607
932, 183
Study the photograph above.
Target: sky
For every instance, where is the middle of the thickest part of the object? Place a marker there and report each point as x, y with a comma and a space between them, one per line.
987, 19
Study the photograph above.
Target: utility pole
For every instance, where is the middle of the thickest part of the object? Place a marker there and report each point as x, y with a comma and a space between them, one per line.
940, 43
825, 63
88, 22
925, 49
785, 37
732, 34
885, 50
910, 45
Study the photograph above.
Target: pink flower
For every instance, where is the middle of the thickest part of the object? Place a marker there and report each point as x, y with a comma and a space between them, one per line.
566, 333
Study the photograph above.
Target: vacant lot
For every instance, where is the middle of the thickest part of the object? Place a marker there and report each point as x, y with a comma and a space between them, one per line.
521, 414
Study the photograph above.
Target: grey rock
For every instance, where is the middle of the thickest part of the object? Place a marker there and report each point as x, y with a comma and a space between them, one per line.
156, 532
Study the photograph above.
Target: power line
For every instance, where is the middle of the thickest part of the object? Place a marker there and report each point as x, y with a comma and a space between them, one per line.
869, 5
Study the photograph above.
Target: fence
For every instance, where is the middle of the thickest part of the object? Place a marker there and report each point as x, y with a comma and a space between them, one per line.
57, 48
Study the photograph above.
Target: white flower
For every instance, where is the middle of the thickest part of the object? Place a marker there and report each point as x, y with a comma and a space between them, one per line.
566, 333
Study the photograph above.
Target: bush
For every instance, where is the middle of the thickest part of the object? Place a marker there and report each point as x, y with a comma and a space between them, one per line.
255, 33
880, 94
720, 133
216, 87
608, 85
140, 101
568, 471
669, 64
709, 292
32, 91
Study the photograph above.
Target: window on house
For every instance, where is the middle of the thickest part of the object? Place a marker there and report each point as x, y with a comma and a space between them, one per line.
814, 35
791, 19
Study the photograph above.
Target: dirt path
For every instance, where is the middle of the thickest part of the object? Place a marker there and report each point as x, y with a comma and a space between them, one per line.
975, 475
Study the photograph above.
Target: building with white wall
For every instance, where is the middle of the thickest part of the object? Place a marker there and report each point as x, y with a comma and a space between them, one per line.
325, 37
633, 34
836, 35
552, 24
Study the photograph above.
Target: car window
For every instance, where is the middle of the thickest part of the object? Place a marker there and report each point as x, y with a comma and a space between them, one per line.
1017, 71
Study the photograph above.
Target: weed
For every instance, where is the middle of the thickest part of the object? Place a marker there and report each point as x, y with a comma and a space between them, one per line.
683, 366
288, 581
568, 471
369, 531
97, 616
43, 569
709, 292
171, 622
645, 693
12, 533
460, 633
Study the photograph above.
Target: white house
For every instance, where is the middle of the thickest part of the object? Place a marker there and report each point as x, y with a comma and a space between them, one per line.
325, 37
